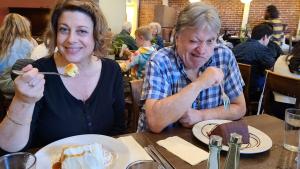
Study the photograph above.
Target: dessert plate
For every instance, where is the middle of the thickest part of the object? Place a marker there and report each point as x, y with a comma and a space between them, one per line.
50, 154
259, 141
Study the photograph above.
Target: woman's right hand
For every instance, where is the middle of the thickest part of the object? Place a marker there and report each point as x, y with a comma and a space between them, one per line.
29, 87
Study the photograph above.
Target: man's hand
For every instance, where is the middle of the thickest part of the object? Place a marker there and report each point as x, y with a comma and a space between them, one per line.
191, 117
211, 76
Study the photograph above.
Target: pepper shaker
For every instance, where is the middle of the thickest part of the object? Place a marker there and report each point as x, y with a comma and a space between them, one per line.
233, 156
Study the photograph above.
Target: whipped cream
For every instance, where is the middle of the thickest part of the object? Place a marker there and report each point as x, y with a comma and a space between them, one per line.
91, 156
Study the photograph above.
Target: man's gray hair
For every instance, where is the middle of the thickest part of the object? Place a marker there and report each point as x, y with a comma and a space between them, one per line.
127, 26
199, 15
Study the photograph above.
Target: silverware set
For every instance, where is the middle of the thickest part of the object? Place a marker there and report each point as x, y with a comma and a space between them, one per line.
156, 156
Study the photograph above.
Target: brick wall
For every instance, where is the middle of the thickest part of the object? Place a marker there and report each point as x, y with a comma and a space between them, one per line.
178, 4
231, 11
146, 11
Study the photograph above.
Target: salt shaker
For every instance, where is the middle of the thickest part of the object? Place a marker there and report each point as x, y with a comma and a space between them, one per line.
233, 156
215, 145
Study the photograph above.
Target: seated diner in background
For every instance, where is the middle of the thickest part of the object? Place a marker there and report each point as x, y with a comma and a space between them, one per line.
256, 53
157, 40
140, 57
124, 38
47, 108
16, 43
286, 65
182, 84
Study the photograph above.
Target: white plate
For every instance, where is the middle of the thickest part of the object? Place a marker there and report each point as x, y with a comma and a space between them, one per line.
50, 154
259, 141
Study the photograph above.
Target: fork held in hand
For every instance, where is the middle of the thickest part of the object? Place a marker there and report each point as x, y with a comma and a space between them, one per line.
20, 72
225, 98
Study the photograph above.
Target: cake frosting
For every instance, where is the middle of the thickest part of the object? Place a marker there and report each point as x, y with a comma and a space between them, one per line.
91, 156
224, 130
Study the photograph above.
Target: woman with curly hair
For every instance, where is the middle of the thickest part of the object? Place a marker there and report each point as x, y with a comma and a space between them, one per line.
47, 108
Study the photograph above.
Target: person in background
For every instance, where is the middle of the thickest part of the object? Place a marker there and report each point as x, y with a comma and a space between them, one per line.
47, 108
39, 51
124, 37
273, 46
156, 37
15, 43
286, 65
272, 17
182, 82
256, 53
275, 49
143, 38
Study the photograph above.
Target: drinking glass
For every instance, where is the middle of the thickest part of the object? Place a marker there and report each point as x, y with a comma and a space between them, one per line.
291, 132
144, 164
21, 160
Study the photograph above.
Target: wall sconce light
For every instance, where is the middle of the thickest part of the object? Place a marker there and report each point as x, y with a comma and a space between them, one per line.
246, 1
191, 1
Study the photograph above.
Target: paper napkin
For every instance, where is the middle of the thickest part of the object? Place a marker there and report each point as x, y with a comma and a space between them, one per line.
184, 150
136, 151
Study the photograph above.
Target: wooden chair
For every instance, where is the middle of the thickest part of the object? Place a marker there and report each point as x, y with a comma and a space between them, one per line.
280, 84
245, 70
136, 91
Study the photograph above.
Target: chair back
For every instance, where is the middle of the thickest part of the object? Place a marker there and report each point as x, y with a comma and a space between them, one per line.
281, 84
245, 70
136, 92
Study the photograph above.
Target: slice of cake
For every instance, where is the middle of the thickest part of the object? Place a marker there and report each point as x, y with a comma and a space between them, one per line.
71, 70
224, 130
90, 156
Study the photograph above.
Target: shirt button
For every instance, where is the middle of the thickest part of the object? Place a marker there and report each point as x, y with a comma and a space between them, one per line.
88, 117
90, 124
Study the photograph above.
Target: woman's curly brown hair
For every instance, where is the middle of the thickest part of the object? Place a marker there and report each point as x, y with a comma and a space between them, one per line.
88, 7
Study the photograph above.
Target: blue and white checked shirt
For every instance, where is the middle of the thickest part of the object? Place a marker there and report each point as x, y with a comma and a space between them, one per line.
165, 76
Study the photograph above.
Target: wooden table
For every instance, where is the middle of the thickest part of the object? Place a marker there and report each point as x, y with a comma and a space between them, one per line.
276, 157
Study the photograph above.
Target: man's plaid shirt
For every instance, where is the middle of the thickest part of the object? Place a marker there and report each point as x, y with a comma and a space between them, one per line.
165, 76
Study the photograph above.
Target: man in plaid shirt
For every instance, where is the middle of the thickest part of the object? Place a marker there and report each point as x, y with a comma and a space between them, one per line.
182, 83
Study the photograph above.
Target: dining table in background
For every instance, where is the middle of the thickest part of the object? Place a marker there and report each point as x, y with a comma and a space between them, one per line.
276, 157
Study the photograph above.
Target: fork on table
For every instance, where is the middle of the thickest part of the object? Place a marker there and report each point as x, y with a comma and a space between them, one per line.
164, 164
